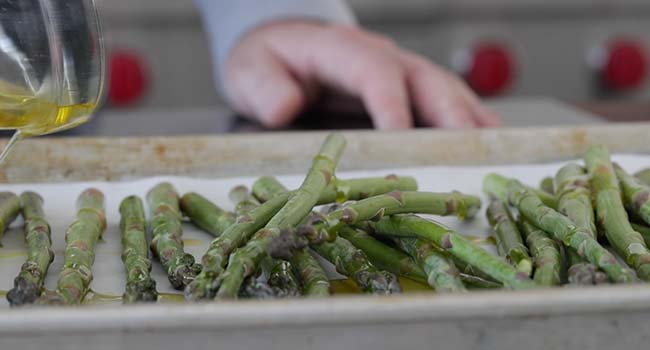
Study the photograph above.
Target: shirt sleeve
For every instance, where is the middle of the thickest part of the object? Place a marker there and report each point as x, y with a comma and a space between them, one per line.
227, 21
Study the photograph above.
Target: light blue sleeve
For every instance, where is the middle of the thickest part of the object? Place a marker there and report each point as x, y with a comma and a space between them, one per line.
226, 21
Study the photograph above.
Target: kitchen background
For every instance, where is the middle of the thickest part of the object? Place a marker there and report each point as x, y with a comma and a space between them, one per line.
591, 53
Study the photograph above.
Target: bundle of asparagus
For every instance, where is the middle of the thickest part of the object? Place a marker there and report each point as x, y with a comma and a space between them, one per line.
371, 230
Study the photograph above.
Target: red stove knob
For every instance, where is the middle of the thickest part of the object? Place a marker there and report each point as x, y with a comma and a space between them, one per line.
491, 69
128, 78
625, 65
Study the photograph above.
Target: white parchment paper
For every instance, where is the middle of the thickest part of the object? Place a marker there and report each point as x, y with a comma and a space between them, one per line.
108, 269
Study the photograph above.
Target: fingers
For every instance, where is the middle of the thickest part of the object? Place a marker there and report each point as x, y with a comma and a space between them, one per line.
482, 115
435, 97
260, 86
347, 59
385, 96
442, 99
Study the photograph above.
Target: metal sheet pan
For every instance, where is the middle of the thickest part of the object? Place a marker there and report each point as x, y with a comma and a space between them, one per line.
594, 318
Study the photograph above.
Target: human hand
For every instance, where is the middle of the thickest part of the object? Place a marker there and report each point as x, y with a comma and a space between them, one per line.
277, 70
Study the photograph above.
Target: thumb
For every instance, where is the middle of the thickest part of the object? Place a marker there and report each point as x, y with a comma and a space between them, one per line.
261, 87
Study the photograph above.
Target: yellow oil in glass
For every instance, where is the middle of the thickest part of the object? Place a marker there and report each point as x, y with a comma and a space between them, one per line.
32, 116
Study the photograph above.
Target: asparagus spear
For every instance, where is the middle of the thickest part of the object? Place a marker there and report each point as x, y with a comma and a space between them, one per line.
556, 224
509, 242
574, 197
283, 280
581, 272
441, 273
644, 176
353, 263
255, 288
574, 201
547, 185
636, 195
140, 287
315, 282
611, 213
244, 261
205, 214
382, 255
396, 202
9, 210
643, 230
501, 192
474, 282
456, 245
244, 201
216, 257
29, 282
81, 239
340, 190
167, 230
545, 251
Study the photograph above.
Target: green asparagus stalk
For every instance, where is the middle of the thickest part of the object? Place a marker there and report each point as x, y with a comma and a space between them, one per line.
255, 288
283, 280
556, 224
582, 273
205, 214
245, 260
140, 287
501, 192
472, 282
267, 187
396, 202
441, 273
547, 185
28, 285
644, 176
167, 231
546, 254
574, 197
468, 270
384, 256
456, 245
315, 282
643, 230
215, 259
340, 190
509, 242
81, 239
352, 262
574, 201
9, 210
611, 213
636, 195
244, 200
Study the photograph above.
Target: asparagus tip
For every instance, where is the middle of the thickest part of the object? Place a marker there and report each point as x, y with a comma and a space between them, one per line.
141, 291
24, 292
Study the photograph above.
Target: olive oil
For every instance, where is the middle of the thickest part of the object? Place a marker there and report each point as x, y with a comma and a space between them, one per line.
33, 116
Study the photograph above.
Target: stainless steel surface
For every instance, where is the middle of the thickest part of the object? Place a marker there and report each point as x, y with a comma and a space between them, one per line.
593, 318
531, 111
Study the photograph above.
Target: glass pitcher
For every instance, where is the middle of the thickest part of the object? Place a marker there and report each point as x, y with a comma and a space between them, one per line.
52, 65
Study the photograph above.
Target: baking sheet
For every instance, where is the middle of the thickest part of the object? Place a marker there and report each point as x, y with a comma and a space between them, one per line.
108, 270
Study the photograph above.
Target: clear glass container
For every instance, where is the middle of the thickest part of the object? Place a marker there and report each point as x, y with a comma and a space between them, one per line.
52, 65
